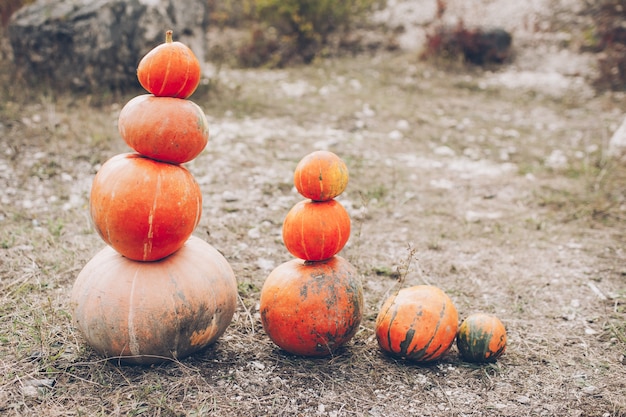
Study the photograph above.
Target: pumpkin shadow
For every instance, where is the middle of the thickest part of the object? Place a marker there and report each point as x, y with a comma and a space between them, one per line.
448, 359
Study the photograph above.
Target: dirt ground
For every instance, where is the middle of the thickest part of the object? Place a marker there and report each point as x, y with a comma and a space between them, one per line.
492, 184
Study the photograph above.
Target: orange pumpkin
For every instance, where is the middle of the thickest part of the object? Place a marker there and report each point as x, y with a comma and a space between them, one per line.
144, 209
418, 323
169, 70
481, 338
316, 230
164, 128
320, 176
147, 312
312, 308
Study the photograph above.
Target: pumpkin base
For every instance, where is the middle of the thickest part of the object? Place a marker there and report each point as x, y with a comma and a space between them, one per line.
149, 312
312, 308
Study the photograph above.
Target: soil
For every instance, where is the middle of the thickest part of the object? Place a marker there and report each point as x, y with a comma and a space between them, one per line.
492, 184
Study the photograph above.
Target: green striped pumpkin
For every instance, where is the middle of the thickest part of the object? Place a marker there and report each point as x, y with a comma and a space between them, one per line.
418, 323
481, 338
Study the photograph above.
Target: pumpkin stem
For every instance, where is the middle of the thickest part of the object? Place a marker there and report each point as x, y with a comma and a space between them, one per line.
168, 36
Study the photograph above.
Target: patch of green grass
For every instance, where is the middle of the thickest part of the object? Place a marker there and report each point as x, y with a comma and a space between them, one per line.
376, 192
247, 288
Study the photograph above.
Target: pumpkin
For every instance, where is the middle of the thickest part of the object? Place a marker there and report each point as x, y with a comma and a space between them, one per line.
320, 176
315, 231
169, 70
418, 323
164, 128
148, 312
481, 338
312, 308
144, 209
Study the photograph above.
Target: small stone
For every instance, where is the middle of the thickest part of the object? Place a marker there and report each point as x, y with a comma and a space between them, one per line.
589, 331
444, 151
29, 391
395, 135
522, 399
229, 196
590, 390
265, 264
403, 125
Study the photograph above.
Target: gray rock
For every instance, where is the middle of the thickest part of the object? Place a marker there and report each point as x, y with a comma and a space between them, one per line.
617, 143
96, 44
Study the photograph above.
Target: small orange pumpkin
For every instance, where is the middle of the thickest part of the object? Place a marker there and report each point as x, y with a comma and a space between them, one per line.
144, 209
312, 308
418, 323
316, 230
320, 176
147, 312
164, 128
481, 338
169, 70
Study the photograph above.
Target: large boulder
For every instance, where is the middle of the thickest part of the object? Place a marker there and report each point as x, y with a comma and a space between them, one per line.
96, 44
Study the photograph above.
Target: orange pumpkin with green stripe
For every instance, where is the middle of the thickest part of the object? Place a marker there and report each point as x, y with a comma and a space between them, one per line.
481, 338
418, 323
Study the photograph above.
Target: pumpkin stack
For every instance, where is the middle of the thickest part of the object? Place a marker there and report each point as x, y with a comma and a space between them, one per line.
155, 292
313, 305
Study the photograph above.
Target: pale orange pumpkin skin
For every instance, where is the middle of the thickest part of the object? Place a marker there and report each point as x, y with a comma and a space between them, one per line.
144, 209
481, 338
148, 312
169, 70
164, 128
312, 308
418, 323
321, 175
316, 230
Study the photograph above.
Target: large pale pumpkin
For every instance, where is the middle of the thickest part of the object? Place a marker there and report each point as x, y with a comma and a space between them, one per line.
143, 208
312, 308
147, 312
164, 128
316, 230
170, 69
481, 338
418, 323
320, 176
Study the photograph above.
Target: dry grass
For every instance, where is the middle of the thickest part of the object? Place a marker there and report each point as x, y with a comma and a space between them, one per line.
464, 198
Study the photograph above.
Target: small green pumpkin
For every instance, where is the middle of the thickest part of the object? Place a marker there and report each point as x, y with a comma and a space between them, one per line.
481, 338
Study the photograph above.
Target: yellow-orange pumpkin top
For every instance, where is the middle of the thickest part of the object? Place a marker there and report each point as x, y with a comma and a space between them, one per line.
169, 70
321, 176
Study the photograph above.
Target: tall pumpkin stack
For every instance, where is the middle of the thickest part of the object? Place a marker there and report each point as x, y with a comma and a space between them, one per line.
313, 305
155, 292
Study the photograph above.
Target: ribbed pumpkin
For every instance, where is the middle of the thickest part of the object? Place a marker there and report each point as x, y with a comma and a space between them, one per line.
147, 312
320, 176
169, 70
481, 338
316, 230
312, 308
418, 323
164, 128
144, 209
